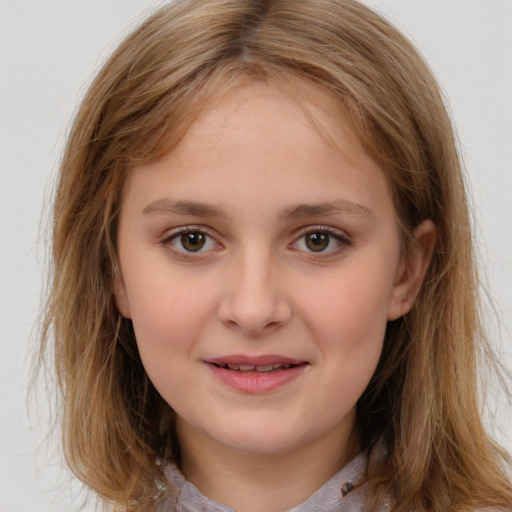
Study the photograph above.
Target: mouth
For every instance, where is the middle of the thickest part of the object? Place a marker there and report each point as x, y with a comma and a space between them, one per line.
248, 368
258, 374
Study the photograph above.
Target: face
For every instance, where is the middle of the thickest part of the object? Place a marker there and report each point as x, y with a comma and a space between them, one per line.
260, 262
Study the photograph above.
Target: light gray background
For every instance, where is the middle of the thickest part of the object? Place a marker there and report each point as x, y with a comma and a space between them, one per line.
48, 52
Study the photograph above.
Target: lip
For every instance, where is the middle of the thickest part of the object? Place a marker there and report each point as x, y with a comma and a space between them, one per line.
254, 382
260, 360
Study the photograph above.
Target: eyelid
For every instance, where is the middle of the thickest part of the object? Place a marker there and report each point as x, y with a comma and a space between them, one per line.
174, 233
341, 236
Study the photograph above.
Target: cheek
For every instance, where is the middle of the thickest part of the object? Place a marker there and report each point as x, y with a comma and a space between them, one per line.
166, 324
348, 317
350, 334
167, 312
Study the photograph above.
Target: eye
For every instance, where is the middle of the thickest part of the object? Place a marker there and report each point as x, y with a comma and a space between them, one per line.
317, 242
321, 240
191, 240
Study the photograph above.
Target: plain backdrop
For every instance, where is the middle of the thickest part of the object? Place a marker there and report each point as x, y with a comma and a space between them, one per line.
49, 50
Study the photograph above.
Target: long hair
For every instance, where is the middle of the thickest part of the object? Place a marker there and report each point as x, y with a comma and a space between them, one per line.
423, 398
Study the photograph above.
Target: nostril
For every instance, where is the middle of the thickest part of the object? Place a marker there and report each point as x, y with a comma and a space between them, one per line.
252, 313
253, 329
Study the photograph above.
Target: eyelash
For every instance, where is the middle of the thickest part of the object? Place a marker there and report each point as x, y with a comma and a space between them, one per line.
184, 254
341, 238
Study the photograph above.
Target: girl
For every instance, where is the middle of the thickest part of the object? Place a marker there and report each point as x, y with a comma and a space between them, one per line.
264, 296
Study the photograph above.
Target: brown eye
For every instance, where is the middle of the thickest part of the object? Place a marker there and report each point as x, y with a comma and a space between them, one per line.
322, 241
317, 242
193, 242
190, 242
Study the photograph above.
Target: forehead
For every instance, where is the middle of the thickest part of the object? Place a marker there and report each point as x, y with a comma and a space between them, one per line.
285, 143
295, 105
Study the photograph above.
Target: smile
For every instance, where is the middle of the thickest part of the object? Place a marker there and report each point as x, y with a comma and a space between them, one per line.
255, 375
252, 368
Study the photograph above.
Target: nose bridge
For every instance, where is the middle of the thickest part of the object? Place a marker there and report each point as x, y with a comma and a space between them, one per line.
255, 302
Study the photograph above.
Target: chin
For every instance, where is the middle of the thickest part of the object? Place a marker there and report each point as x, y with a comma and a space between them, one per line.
266, 444
263, 438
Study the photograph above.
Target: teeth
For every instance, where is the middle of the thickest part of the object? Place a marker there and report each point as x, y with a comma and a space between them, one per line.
246, 367
266, 368
250, 368
241, 367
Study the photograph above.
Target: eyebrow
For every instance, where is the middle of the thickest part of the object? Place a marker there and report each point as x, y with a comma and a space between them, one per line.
168, 206
202, 209
341, 206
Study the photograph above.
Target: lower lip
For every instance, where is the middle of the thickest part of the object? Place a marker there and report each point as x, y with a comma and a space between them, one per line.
257, 382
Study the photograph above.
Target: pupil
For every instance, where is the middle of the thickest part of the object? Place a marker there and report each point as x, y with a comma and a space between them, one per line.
317, 241
193, 241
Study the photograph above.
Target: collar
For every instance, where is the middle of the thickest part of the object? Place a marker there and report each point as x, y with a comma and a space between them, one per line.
339, 494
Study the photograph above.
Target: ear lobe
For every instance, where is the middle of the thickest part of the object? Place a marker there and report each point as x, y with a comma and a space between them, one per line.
412, 269
121, 296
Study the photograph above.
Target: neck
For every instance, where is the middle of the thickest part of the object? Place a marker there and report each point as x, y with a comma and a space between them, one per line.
251, 481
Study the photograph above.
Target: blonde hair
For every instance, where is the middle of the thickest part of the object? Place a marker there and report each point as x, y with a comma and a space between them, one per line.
423, 398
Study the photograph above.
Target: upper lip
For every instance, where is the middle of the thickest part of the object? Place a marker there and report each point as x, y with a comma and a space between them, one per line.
261, 360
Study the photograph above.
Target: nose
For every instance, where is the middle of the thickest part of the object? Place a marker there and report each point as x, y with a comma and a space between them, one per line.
254, 299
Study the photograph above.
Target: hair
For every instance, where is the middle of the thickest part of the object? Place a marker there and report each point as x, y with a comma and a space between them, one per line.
424, 396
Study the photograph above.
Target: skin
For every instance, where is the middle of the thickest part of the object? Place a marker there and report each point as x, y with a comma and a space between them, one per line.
256, 287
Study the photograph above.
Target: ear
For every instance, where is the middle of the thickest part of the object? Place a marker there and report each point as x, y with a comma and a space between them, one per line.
121, 295
412, 269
